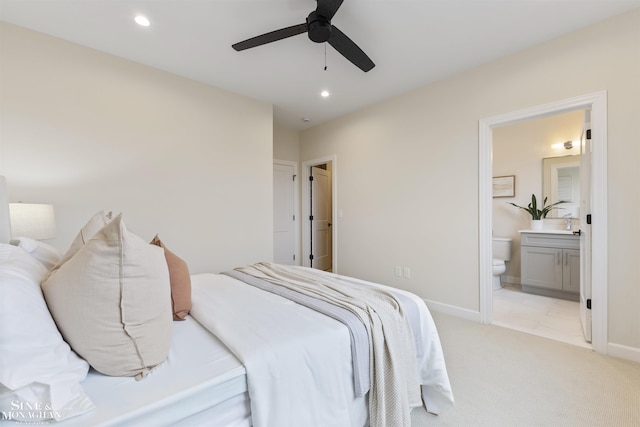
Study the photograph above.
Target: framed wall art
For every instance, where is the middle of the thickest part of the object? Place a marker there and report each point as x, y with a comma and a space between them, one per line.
504, 186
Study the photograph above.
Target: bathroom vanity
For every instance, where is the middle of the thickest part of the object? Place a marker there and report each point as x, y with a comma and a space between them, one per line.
550, 263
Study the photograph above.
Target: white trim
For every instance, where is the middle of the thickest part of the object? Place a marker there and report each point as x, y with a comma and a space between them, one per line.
296, 204
453, 310
624, 352
485, 214
598, 103
306, 231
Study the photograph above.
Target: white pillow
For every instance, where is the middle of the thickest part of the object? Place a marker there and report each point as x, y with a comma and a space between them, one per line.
112, 302
45, 253
37, 368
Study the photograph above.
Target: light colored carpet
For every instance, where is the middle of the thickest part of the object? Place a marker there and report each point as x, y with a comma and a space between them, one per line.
501, 377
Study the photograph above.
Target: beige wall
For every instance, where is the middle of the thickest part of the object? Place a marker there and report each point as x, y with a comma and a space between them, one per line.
286, 144
88, 131
408, 167
518, 149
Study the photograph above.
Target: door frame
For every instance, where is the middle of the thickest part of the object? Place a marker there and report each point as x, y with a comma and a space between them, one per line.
597, 102
296, 206
306, 209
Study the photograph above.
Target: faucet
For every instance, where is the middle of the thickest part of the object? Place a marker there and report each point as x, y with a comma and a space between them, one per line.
567, 219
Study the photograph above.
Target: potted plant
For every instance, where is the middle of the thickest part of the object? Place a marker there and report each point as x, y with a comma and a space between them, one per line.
537, 214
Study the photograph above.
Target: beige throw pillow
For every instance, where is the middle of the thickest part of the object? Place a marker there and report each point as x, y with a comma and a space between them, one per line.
95, 224
112, 302
180, 282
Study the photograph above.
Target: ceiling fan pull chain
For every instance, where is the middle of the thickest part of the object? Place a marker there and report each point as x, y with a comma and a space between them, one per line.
325, 56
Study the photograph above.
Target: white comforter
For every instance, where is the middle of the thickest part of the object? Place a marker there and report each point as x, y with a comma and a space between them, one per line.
298, 361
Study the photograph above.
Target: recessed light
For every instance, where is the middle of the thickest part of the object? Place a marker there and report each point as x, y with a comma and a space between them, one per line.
142, 21
324, 93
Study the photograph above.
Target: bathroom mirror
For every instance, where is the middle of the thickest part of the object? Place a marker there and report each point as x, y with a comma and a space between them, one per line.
561, 181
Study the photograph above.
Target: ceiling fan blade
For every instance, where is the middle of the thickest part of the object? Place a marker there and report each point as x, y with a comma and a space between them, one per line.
273, 36
350, 50
328, 8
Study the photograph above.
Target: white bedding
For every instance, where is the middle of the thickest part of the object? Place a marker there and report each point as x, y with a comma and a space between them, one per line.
272, 335
200, 376
202, 383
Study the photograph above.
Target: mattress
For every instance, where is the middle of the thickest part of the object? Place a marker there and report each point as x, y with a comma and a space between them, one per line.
200, 383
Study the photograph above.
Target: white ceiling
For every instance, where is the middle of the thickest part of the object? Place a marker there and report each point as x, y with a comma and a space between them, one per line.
412, 43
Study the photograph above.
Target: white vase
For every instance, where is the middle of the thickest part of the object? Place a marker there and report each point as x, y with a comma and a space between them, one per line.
536, 224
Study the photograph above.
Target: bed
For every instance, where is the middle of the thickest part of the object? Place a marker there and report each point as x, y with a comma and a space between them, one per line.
249, 351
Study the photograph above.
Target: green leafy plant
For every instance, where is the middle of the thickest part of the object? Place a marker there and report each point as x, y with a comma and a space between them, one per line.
532, 208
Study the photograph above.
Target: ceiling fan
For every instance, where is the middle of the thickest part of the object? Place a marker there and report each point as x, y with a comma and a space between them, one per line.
319, 29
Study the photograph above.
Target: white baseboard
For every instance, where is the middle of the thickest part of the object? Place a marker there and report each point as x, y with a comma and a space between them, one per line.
453, 310
624, 352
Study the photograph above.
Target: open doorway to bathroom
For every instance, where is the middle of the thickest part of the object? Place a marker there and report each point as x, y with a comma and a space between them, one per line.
525, 150
596, 266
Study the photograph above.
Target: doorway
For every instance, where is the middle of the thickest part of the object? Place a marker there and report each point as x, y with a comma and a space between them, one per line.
319, 227
530, 151
597, 103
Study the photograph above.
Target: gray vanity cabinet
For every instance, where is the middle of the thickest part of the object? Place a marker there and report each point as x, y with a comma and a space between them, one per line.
550, 264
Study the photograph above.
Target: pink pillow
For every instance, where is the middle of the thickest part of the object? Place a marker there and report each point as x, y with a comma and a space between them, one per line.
180, 282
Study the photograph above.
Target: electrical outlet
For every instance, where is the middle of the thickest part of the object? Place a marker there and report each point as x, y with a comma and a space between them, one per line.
397, 271
406, 272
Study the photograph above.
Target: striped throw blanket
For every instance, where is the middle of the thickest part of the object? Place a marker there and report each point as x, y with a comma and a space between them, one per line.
395, 387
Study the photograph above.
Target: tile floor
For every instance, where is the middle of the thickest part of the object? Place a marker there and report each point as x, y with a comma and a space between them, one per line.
552, 318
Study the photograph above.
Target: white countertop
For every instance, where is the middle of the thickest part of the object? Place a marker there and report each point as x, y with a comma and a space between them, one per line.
569, 232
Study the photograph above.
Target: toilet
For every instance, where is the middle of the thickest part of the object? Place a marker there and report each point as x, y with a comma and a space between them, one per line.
501, 248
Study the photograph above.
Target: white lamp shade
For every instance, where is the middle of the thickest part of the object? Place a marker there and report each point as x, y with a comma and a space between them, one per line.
36, 221
5, 228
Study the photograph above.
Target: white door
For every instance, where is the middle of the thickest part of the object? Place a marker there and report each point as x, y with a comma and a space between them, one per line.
320, 219
284, 236
585, 227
